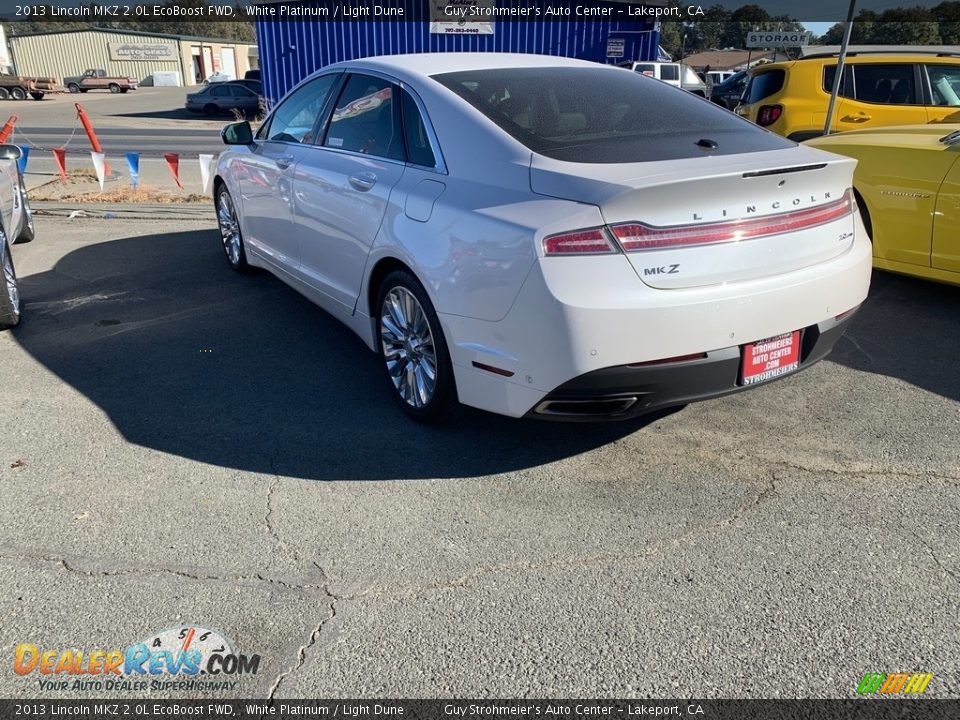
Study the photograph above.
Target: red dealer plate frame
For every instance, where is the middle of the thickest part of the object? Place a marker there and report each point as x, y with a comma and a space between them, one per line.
770, 358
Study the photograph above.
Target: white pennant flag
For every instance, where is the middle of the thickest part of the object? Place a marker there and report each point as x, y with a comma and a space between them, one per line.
206, 162
98, 166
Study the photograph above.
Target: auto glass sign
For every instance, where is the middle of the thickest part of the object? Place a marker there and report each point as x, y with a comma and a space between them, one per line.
142, 51
772, 39
461, 17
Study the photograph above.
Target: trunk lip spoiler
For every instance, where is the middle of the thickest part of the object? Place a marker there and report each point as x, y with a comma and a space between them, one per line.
784, 171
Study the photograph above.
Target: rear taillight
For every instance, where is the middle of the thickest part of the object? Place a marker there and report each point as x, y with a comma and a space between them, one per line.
580, 242
769, 114
637, 236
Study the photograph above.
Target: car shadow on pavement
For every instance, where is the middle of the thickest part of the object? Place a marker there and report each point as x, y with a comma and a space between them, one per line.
174, 114
907, 329
189, 358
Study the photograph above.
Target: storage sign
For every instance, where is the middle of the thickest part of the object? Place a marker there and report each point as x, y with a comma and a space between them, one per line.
771, 39
142, 51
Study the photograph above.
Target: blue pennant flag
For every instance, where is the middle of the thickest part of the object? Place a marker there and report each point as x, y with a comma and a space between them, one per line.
133, 162
24, 156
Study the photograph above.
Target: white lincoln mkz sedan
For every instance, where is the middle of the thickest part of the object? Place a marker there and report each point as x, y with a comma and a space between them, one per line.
542, 236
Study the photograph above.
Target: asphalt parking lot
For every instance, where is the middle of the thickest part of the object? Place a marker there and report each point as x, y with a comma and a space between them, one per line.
180, 444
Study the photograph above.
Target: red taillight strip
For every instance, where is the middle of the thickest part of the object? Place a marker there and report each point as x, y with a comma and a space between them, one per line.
637, 236
591, 241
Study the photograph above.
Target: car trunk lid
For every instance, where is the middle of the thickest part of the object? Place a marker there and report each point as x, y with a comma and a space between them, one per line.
710, 220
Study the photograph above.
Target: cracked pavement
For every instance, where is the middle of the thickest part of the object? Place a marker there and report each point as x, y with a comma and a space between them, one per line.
179, 444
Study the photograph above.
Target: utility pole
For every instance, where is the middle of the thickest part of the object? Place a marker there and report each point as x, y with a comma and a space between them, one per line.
840, 62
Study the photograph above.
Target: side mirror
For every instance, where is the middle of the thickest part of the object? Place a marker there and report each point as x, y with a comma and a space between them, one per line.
238, 133
9, 152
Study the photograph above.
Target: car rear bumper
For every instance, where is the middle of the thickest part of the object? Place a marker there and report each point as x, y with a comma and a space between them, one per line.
575, 327
626, 391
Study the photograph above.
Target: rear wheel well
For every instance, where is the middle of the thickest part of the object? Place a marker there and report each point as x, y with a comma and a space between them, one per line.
864, 213
380, 271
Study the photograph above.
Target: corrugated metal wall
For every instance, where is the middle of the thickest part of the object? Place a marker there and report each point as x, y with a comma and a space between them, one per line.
289, 51
67, 54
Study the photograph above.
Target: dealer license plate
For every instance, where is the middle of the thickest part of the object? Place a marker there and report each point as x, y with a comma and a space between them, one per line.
768, 359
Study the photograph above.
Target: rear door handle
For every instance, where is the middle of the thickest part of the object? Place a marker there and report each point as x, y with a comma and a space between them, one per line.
284, 161
363, 182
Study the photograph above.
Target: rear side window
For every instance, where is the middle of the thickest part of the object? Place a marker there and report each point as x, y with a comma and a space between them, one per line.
886, 84
829, 73
764, 84
669, 72
603, 115
419, 151
944, 84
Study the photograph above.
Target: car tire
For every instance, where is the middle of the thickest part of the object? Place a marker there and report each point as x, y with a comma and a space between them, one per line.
231, 237
411, 344
210, 109
9, 288
27, 232
37, 95
73, 88
18, 93
4, 94
114, 88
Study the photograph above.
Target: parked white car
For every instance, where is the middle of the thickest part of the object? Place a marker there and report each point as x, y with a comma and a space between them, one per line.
217, 77
543, 236
16, 226
715, 77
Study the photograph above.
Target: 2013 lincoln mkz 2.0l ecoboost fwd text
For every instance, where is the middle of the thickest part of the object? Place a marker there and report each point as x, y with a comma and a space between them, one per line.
548, 237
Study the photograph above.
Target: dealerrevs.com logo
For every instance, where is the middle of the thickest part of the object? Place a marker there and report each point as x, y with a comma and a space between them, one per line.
181, 658
894, 683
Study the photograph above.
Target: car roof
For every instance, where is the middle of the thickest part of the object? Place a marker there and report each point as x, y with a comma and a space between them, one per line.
427, 64
857, 58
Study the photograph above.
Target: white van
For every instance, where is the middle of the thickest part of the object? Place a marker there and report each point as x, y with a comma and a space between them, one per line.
673, 73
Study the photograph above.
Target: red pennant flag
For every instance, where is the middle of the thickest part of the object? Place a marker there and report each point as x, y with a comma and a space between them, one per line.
60, 155
173, 162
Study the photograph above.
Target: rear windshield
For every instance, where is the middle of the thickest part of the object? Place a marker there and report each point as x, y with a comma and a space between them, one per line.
764, 84
604, 115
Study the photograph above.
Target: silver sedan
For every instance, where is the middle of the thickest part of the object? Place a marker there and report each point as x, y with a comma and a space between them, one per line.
16, 226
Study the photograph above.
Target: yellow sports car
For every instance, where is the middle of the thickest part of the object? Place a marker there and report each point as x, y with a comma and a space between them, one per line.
907, 184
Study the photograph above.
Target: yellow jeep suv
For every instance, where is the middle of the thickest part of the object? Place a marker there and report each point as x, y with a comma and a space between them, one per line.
877, 88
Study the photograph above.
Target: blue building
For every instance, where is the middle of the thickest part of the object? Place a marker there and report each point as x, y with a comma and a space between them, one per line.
291, 50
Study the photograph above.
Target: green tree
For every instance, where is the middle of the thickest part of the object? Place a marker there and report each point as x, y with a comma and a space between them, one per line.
671, 32
947, 15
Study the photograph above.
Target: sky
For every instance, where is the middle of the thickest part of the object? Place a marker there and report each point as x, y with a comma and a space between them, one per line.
818, 28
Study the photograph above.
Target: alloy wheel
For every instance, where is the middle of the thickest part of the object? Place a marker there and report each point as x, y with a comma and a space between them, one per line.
229, 228
408, 347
